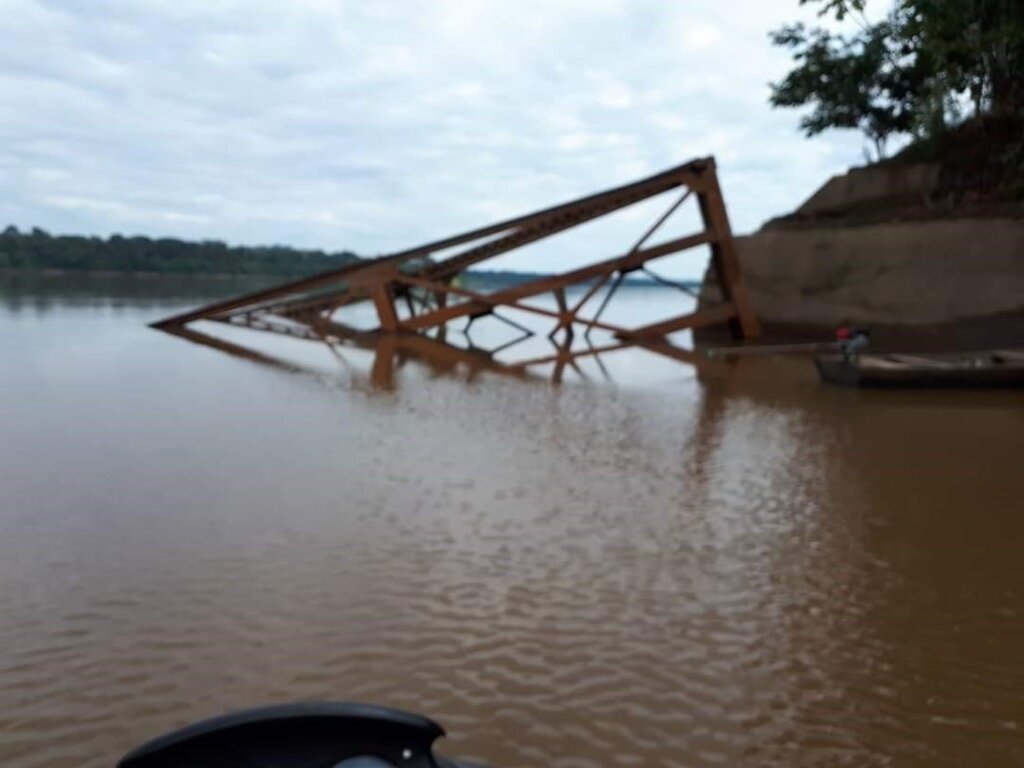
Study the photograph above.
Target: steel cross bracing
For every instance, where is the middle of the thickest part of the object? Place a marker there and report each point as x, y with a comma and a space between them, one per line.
416, 298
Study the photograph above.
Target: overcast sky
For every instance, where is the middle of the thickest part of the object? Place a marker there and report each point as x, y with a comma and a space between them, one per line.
377, 125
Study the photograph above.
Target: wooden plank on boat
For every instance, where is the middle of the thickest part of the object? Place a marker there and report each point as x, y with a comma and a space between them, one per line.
775, 349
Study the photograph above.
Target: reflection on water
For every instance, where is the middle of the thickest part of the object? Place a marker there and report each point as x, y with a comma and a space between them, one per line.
40, 292
390, 352
684, 567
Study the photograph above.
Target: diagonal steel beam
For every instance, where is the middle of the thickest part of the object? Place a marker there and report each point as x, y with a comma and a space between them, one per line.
688, 173
622, 263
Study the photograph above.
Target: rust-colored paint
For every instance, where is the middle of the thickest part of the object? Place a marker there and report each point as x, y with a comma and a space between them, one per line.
304, 308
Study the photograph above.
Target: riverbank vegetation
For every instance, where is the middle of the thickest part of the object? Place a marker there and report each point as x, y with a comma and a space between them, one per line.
947, 76
37, 249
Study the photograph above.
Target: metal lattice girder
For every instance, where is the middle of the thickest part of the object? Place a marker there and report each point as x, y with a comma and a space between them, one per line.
307, 305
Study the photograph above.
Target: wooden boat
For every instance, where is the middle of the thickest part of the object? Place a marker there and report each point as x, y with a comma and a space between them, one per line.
988, 368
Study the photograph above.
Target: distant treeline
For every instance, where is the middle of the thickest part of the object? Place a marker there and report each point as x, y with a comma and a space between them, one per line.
507, 278
495, 278
40, 250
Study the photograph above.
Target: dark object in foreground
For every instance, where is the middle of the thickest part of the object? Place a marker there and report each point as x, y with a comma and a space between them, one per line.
327, 735
990, 368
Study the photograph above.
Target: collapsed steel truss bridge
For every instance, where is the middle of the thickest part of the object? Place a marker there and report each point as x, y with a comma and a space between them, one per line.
416, 295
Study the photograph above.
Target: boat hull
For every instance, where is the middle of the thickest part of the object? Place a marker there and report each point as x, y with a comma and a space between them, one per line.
948, 371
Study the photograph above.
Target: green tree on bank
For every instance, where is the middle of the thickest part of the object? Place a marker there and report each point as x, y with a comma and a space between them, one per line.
925, 68
40, 250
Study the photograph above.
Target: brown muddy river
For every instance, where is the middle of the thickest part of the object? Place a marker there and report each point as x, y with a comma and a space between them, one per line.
732, 567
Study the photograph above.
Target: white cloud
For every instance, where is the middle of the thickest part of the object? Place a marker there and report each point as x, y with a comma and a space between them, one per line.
615, 96
701, 35
374, 126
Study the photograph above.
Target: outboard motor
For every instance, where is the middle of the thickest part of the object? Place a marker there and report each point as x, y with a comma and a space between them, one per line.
328, 735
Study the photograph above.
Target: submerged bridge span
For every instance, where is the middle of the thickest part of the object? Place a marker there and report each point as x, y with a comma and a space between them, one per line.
415, 293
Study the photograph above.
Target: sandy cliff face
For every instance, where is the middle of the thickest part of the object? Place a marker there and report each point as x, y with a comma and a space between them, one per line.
838, 260
903, 273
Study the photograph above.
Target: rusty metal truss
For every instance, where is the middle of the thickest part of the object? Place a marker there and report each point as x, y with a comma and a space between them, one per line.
416, 295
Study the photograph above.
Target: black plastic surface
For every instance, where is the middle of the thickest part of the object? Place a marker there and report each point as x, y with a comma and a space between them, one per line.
295, 736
